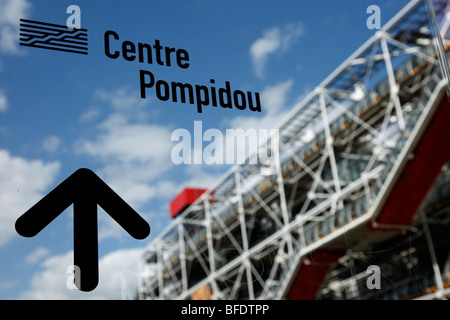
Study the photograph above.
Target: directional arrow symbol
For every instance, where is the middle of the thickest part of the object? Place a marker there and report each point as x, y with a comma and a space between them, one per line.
85, 190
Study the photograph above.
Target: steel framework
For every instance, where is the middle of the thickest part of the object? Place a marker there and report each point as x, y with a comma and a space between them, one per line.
415, 264
336, 157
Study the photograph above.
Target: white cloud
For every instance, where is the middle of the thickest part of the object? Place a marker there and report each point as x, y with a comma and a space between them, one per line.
4, 104
11, 11
274, 97
124, 136
107, 227
263, 47
22, 183
129, 142
134, 154
199, 178
226, 146
51, 143
89, 115
122, 98
273, 100
50, 282
166, 189
273, 40
37, 255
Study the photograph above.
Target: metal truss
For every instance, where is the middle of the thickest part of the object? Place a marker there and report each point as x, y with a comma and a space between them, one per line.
414, 265
334, 159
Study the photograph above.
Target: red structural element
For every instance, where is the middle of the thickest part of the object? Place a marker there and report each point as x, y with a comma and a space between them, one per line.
312, 272
419, 174
184, 200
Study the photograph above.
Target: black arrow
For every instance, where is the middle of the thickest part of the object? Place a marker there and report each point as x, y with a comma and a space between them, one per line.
85, 190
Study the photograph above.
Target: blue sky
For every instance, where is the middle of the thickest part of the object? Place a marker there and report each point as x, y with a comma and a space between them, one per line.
63, 111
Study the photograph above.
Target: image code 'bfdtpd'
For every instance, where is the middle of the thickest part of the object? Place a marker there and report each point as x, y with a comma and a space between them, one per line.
53, 36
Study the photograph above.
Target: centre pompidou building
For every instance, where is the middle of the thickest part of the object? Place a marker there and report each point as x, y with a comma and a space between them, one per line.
360, 178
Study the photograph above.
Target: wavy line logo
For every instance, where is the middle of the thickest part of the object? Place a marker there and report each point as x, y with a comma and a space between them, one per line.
53, 36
